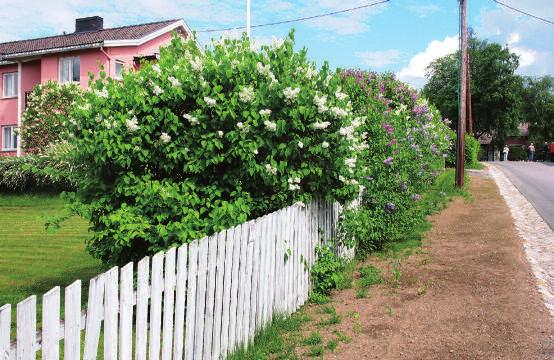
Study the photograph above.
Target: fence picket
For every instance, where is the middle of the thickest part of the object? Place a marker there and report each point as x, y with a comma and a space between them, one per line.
111, 309
95, 309
226, 301
219, 298
248, 283
126, 313
239, 332
5, 328
51, 324
26, 328
255, 239
180, 298
191, 300
72, 325
210, 296
143, 294
261, 272
234, 288
169, 301
156, 306
201, 298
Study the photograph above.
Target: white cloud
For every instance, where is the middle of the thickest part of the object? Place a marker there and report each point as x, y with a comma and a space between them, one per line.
424, 10
379, 59
414, 72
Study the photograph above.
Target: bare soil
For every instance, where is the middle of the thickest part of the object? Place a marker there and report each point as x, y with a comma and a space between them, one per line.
467, 293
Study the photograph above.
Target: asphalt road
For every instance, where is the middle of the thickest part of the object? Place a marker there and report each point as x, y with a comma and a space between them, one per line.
535, 180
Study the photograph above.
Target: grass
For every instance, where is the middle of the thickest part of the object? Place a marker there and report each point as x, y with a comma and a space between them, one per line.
35, 260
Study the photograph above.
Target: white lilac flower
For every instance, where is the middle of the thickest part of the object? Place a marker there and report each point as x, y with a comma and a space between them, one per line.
338, 112
277, 42
210, 101
321, 125
271, 169
270, 125
290, 93
340, 95
165, 138
294, 187
196, 64
247, 94
342, 178
158, 90
176, 67
102, 93
327, 80
174, 81
263, 69
310, 72
240, 125
350, 162
235, 63
325, 144
220, 133
300, 144
300, 203
255, 151
297, 180
193, 120
320, 102
156, 68
132, 124
265, 112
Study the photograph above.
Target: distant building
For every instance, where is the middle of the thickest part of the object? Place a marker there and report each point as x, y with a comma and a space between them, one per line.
70, 58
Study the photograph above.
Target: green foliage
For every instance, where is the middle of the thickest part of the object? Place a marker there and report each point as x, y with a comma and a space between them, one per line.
316, 351
369, 275
327, 271
49, 171
495, 88
314, 338
318, 298
361, 293
45, 120
517, 153
201, 142
471, 153
405, 148
538, 107
332, 344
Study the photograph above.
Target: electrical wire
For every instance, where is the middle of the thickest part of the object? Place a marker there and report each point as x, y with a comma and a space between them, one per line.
297, 19
523, 12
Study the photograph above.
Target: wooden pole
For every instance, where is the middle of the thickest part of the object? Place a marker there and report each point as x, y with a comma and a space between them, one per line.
460, 148
469, 97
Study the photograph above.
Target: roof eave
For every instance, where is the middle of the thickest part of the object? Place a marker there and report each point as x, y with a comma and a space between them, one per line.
136, 42
26, 54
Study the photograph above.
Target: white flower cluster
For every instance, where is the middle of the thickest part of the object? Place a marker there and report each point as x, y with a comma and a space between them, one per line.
310, 72
132, 124
270, 125
220, 133
265, 70
338, 112
300, 144
243, 127
350, 162
276, 43
165, 138
321, 103
291, 94
325, 144
271, 169
247, 94
103, 93
210, 101
196, 64
321, 125
255, 151
327, 80
158, 90
294, 183
340, 95
265, 112
174, 81
156, 68
193, 120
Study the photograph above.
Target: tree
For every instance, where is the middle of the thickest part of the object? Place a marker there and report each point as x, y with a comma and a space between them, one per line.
538, 107
44, 120
495, 88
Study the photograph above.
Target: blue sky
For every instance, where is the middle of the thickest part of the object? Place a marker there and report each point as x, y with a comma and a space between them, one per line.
402, 36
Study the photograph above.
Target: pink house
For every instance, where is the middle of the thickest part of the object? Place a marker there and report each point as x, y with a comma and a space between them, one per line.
70, 58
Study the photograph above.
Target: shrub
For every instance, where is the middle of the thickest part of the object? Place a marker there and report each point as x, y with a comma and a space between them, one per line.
472, 152
203, 141
517, 153
50, 171
404, 148
44, 120
327, 271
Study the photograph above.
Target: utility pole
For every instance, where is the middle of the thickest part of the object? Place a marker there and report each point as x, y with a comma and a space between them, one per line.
460, 148
248, 18
470, 112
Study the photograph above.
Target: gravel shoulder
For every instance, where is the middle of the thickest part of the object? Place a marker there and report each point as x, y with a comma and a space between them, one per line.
468, 293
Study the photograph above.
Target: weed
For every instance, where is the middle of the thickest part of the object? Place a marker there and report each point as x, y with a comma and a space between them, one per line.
389, 310
345, 339
328, 310
316, 351
361, 293
422, 289
332, 344
370, 275
396, 273
317, 298
315, 338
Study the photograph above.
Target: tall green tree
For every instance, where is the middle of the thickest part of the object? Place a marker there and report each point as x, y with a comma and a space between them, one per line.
496, 89
538, 107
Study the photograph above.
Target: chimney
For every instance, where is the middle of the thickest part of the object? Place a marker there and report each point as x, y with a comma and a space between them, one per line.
92, 23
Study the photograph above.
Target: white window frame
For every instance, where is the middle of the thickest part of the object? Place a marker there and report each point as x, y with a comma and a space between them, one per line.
71, 74
120, 76
13, 136
14, 93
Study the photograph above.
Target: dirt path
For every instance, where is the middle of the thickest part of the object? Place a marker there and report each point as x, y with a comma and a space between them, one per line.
467, 294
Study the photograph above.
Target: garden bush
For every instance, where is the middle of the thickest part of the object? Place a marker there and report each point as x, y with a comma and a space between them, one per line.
472, 152
327, 271
45, 118
407, 141
202, 141
517, 153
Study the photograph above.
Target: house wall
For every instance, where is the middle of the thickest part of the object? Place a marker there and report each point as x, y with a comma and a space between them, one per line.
8, 107
91, 60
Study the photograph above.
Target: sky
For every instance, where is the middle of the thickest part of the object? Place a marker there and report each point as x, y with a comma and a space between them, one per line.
401, 36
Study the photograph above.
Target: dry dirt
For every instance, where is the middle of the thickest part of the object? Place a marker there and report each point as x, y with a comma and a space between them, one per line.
468, 293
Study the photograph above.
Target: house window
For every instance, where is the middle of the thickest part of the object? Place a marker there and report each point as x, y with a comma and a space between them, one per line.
70, 69
118, 70
9, 138
9, 85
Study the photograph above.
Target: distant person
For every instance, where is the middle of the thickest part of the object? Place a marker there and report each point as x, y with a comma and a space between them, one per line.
531, 152
544, 151
505, 152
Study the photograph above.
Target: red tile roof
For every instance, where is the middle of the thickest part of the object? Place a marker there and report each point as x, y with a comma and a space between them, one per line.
132, 32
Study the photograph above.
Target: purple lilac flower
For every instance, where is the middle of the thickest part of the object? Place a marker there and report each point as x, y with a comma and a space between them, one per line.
416, 197
388, 161
392, 142
388, 128
390, 207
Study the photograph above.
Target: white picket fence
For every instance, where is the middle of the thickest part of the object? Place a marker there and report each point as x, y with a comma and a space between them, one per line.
198, 301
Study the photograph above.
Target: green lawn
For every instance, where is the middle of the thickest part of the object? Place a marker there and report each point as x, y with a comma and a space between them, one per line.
34, 260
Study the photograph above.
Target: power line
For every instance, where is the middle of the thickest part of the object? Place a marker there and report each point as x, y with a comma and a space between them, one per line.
523, 12
297, 19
